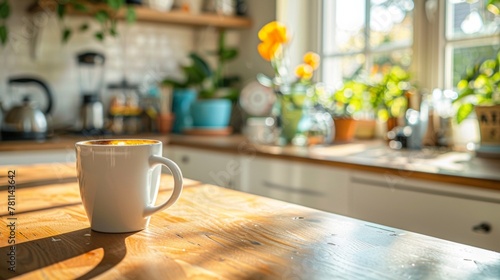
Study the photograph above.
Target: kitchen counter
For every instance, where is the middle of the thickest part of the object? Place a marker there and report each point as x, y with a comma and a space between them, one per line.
65, 141
213, 233
460, 168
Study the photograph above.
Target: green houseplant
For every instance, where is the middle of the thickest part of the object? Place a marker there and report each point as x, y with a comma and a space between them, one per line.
479, 91
388, 91
104, 12
215, 91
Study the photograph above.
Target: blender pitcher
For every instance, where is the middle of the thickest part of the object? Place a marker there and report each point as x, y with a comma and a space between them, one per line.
91, 73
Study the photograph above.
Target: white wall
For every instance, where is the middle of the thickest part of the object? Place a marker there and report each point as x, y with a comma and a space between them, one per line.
142, 52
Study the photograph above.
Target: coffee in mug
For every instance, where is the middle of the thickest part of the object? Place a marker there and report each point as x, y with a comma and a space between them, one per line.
119, 181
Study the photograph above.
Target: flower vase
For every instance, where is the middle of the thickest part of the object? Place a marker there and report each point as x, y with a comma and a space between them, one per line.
293, 107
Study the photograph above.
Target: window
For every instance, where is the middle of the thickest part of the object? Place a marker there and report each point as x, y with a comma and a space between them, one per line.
472, 33
359, 36
362, 35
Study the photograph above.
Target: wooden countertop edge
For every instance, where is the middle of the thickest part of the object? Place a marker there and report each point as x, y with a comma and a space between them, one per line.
67, 141
481, 183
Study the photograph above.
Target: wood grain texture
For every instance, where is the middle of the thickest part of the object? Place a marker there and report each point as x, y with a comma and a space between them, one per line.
217, 233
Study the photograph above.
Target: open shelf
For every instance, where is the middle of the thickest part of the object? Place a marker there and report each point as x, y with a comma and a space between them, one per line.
145, 14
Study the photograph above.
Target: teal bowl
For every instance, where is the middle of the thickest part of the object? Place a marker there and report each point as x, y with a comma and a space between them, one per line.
211, 113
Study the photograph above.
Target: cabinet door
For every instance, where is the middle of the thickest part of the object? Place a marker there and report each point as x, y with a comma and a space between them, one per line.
313, 185
449, 212
218, 168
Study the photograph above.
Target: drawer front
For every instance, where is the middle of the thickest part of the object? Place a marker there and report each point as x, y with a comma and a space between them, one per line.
311, 185
222, 169
471, 220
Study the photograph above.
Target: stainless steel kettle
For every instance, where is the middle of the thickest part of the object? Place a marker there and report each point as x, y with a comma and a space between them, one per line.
26, 121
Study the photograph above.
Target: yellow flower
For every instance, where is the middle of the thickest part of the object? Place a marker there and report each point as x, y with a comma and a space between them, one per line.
312, 59
268, 50
274, 32
304, 71
273, 35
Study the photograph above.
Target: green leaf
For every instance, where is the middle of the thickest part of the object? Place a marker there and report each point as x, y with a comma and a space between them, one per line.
101, 16
113, 29
464, 111
131, 16
3, 34
200, 64
66, 35
80, 7
99, 36
4, 9
83, 27
115, 4
61, 10
228, 54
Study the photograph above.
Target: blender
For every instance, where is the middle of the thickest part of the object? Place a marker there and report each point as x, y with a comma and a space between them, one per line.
91, 72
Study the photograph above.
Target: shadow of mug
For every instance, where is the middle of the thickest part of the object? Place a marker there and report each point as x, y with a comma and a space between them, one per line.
36, 254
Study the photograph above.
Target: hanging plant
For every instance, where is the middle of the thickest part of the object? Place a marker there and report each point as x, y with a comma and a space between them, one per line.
104, 12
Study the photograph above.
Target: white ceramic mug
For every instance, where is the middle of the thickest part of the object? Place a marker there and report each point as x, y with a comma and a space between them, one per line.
119, 181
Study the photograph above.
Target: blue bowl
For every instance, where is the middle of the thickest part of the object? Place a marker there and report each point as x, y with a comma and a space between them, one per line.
211, 113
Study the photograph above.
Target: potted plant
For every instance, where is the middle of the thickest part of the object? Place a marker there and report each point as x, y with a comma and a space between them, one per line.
205, 96
213, 108
185, 90
479, 91
388, 93
347, 101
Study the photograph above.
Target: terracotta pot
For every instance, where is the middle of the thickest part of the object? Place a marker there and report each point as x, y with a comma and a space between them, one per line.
165, 123
488, 118
345, 129
365, 129
391, 123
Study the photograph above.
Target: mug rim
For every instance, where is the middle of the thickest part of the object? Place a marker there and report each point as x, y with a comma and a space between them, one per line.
93, 142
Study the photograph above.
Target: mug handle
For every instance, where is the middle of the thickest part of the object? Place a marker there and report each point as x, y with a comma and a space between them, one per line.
176, 173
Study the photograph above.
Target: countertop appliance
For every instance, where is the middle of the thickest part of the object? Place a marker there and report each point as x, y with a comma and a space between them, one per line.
91, 70
26, 121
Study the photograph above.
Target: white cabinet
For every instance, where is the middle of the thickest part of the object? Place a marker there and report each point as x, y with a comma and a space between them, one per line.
313, 185
37, 156
460, 214
211, 167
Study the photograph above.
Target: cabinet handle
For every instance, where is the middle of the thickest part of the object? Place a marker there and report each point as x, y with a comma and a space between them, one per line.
482, 228
185, 159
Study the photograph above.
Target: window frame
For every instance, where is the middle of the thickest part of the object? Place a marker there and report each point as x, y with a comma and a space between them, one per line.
432, 61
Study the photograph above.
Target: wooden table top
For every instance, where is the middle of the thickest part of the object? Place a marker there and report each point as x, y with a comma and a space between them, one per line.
213, 233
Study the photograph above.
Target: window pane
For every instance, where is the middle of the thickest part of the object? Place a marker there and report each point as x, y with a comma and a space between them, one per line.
344, 26
400, 57
464, 57
340, 69
469, 19
391, 23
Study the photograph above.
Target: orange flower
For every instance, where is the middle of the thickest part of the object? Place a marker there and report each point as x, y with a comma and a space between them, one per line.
312, 59
304, 71
273, 35
274, 32
268, 50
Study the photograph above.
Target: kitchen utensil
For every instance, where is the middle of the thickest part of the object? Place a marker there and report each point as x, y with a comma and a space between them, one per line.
26, 121
91, 69
92, 113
